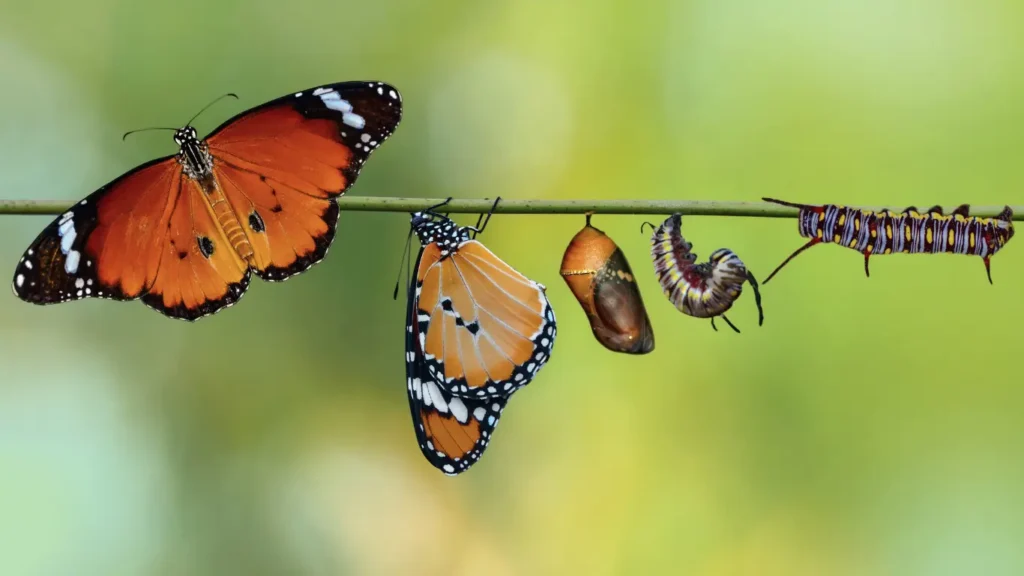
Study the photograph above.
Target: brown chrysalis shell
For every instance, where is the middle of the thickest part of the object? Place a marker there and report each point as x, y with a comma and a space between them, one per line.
599, 276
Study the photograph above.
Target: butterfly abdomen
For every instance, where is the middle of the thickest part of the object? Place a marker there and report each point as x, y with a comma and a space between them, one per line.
232, 228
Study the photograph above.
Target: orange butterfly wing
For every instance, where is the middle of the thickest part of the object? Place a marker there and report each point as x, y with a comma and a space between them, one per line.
452, 432
282, 164
136, 237
484, 328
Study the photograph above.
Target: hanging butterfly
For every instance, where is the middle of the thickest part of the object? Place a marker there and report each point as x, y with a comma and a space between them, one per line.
185, 233
476, 331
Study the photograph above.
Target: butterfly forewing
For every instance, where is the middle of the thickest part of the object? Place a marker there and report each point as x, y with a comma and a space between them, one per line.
485, 329
107, 245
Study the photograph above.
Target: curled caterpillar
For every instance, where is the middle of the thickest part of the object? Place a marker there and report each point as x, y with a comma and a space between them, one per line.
703, 290
908, 232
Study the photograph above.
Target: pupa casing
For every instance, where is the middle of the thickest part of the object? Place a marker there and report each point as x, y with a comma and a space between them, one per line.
599, 276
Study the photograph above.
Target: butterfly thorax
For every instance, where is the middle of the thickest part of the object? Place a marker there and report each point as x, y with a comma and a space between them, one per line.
194, 157
435, 229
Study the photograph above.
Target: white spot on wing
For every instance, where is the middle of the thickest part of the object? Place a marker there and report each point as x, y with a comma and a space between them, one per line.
479, 413
354, 120
432, 397
71, 263
459, 410
20, 280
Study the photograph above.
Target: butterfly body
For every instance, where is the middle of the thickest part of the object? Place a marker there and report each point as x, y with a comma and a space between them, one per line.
476, 332
185, 233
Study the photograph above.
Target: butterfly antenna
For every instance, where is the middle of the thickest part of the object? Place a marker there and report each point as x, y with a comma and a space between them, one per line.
145, 130
403, 264
218, 99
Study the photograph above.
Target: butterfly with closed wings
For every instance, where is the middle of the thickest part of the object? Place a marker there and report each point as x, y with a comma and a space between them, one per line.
185, 233
476, 331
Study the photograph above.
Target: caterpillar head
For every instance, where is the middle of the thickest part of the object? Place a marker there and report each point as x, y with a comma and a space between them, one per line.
1002, 229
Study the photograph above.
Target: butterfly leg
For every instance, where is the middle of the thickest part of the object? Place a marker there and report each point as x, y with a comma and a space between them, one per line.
478, 229
988, 268
713, 327
731, 325
432, 209
757, 298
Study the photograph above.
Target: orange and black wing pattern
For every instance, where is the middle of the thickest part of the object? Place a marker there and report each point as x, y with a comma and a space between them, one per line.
282, 164
452, 431
484, 328
141, 236
476, 332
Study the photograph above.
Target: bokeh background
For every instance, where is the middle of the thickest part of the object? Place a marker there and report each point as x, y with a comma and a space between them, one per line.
870, 427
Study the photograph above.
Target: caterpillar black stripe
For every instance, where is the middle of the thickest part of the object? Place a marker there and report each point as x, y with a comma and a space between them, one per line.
909, 232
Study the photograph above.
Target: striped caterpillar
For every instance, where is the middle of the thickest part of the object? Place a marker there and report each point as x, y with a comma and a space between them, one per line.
703, 290
908, 232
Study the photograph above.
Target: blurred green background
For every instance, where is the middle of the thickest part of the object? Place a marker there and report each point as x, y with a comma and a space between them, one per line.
870, 427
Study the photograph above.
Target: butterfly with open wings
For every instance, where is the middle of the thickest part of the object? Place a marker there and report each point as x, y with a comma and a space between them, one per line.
185, 232
476, 331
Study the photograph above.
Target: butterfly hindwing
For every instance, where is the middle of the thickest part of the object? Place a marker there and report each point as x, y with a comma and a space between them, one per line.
199, 271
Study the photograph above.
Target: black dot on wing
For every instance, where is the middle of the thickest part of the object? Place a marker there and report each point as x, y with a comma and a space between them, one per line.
256, 222
205, 246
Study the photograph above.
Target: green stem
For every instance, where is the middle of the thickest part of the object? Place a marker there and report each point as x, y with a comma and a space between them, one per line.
514, 206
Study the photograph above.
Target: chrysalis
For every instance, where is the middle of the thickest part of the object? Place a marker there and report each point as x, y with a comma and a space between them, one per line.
599, 276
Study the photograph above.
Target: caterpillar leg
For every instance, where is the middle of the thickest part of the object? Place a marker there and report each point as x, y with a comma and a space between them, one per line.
867, 256
731, 325
757, 298
988, 268
812, 242
713, 327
